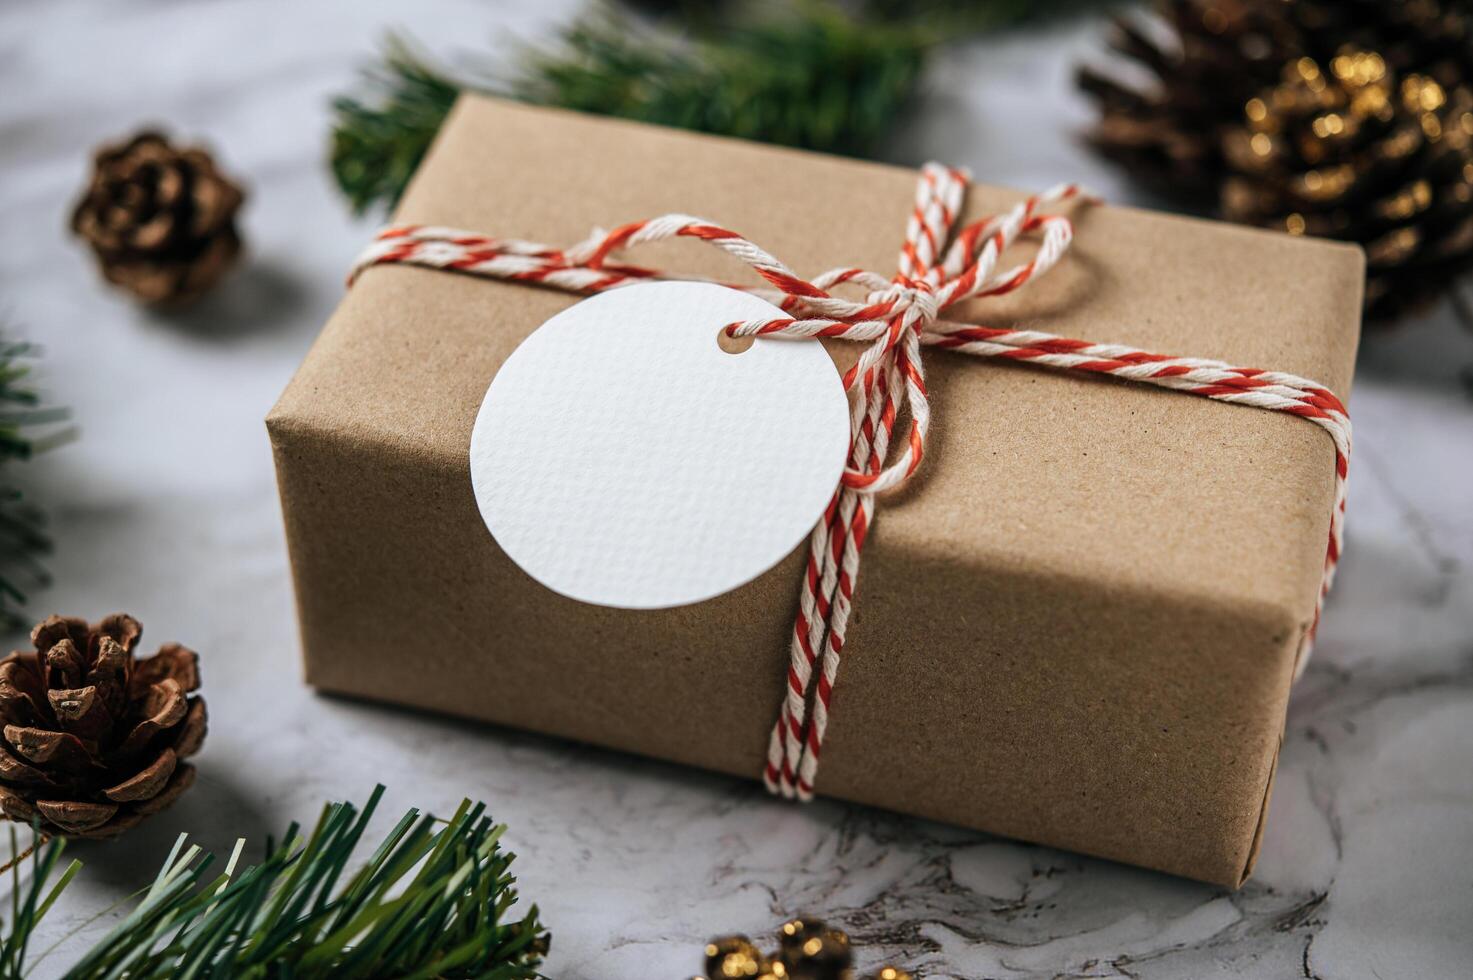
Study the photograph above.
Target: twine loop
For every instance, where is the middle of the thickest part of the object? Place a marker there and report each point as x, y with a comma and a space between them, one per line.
896, 318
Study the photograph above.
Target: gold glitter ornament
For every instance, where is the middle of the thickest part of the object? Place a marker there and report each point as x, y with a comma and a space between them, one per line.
807, 950
812, 951
734, 958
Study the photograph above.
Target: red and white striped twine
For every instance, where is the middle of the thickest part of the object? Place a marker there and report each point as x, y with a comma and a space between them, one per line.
896, 317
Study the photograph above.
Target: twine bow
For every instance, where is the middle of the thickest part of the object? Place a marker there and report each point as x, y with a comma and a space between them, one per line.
896, 317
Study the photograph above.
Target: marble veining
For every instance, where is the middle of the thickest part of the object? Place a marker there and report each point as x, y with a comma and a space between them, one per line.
166, 507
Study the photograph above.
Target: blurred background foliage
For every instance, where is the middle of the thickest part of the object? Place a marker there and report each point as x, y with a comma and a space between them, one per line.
817, 74
27, 427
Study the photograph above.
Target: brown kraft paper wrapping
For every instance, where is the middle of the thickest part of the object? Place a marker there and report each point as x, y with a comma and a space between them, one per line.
1076, 625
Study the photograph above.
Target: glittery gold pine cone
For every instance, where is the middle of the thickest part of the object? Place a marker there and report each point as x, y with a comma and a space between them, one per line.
1349, 119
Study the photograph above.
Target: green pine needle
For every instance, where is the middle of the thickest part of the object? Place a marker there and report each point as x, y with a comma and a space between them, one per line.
818, 74
26, 428
431, 903
377, 142
27, 911
814, 78
811, 76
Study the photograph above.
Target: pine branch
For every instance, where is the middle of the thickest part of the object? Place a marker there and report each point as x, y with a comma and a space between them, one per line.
815, 78
287, 917
431, 902
26, 428
824, 75
811, 76
379, 139
819, 74
29, 904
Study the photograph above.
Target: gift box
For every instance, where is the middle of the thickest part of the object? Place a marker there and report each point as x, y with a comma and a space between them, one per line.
1077, 624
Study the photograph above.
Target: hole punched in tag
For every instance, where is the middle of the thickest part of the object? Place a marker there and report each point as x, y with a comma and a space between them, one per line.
733, 345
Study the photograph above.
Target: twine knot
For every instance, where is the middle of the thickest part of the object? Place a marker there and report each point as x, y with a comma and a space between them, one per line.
917, 300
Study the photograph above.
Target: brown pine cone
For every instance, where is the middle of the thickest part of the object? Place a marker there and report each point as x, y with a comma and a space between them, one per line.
93, 738
160, 220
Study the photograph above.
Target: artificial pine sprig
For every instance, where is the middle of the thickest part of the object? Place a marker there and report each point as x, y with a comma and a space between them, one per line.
26, 428
432, 902
810, 76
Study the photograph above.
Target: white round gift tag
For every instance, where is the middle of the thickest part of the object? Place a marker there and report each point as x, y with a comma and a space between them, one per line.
621, 457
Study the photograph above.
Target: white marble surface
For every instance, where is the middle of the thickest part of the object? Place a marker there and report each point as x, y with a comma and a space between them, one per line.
166, 507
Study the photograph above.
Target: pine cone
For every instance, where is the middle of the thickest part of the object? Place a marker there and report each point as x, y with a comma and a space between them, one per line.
160, 220
94, 739
1350, 119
